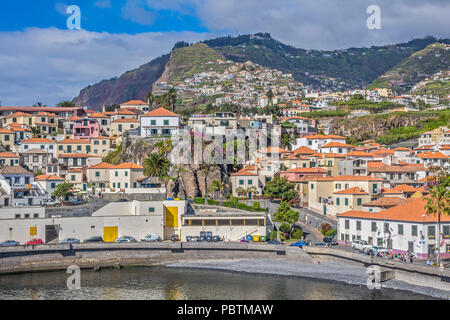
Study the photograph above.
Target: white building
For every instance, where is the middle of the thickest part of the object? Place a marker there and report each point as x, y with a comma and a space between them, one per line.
402, 228
160, 122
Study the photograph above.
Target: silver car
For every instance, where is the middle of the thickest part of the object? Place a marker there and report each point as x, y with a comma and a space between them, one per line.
151, 238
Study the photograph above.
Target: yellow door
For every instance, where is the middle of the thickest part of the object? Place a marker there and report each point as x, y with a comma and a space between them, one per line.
172, 217
110, 234
33, 231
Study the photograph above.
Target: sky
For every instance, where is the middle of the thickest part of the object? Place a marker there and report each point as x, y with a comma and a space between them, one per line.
42, 60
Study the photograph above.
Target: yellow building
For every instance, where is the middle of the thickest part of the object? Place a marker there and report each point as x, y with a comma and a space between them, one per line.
7, 139
69, 146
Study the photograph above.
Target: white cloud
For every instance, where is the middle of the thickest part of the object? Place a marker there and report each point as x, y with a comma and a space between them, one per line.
134, 10
50, 65
104, 4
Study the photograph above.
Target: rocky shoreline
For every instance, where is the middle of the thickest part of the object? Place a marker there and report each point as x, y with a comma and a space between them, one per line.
329, 271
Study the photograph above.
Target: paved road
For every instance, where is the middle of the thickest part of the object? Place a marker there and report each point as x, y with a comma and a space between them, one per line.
310, 233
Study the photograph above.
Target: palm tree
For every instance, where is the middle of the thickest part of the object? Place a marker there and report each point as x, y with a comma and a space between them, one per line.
241, 191
217, 185
156, 165
438, 203
172, 98
150, 98
35, 131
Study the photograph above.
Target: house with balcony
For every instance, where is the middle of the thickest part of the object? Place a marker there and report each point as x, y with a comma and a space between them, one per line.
120, 126
9, 159
49, 183
18, 183
79, 160
159, 122
86, 128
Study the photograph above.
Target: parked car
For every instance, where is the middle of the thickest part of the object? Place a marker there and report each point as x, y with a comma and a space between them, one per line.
217, 239
9, 243
244, 241
330, 241
174, 238
376, 249
125, 239
93, 239
273, 242
199, 239
34, 241
321, 244
151, 238
300, 243
69, 241
359, 244
48, 203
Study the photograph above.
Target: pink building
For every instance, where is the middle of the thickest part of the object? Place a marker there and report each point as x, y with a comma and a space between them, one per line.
86, 128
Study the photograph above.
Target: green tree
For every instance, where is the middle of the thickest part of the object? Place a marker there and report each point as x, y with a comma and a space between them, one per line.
286, 216
217, 185
172, 98
156, 165
35, 132
66, 104
280, 188
63, 191
438, 202
270, 96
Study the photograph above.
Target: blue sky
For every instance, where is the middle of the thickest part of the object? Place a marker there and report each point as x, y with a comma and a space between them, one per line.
97, 15
41, 60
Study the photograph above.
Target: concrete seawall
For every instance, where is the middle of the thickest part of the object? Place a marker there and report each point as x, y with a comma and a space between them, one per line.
411, 273
59, 257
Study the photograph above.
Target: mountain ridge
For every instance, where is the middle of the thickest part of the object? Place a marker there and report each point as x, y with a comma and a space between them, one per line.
332, 70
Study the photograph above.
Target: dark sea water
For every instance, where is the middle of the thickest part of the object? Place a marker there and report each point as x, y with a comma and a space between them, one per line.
158, 283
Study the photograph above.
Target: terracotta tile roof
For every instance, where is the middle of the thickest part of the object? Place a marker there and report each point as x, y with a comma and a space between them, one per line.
306, 170
5, 131
404, 188
103, 165
245, 172
355, 190
134, 103
35, 151
130, 120
47, 177
74, 118
411, 211
334, 155
386, 202
432, 155
382, 152
304, 150
359, 154
74, 141
42, 113
126, 112
294, 156
38, 140
97, 115
402, 149
350, 178
19, 114
372, 168
425, 147
8, 155
129, 165
160, 112
78, 155
15, 170
336, 144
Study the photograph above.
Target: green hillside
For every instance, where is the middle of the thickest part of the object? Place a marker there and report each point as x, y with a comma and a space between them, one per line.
416, 68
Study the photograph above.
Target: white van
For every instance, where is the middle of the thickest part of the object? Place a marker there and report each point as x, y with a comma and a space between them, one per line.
360, 244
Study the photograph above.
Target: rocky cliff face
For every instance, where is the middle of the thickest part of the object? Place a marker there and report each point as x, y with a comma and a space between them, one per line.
187, 181
371, 127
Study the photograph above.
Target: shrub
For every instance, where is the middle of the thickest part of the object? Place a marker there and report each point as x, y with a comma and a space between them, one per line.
199, 201
331, 232
324, 227
273, 235
297, 234
256, 205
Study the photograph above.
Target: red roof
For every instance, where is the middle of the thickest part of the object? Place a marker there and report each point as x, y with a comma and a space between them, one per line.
160, 112
336, 144
38, 140
8, 155
48, 177
134, 103
355, 190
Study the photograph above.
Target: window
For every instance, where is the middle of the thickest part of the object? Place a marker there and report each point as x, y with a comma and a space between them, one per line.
340, 150
374, 227
36, 215
241, 182
312, 186
338, 200
358, 225
17, 216
126, 173
386, 227
330, 163
7, 137
25, 146
53, 185
338, 186
359, 201
414, 231
431, 232
370, 240
346, 201
88, 149
166, 122
153, 122
42, 147
116, 173
96, 142
60, 148
446, 231
72, 177
151, 209
97, 173
400, 229
250, 182
347, 224
79, 148
126, 184
375, 188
